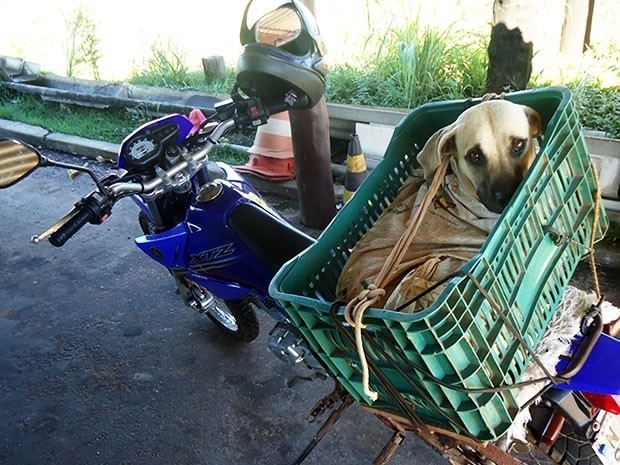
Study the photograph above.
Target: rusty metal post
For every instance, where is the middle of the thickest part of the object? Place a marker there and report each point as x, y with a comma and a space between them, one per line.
311, 149
312, 152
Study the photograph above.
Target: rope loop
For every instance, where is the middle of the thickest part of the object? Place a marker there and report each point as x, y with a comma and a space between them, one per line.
353, 313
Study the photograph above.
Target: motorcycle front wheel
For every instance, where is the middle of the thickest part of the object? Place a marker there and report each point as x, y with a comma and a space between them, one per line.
236, 318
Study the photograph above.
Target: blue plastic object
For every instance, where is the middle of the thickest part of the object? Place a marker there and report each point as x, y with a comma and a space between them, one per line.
601, 371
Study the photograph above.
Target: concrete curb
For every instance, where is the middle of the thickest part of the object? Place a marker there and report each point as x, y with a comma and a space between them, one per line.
41, 137
81, 146
33, 135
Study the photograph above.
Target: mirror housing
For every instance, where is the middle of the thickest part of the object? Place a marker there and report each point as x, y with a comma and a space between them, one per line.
17, 160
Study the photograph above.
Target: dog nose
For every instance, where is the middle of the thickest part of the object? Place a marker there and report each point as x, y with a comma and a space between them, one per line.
502, 198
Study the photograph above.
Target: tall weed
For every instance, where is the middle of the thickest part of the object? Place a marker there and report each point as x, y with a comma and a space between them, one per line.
82, 44
165, 67
410, 66
597, 106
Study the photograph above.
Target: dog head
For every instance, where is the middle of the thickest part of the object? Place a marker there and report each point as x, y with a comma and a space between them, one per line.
491, 147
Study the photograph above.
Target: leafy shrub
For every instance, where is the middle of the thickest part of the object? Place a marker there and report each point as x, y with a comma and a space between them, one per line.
597, 107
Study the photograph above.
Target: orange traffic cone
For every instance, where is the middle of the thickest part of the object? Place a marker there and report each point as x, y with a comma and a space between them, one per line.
356, 170
271, 155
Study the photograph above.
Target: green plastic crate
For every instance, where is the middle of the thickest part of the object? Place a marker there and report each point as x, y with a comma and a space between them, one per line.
432, 360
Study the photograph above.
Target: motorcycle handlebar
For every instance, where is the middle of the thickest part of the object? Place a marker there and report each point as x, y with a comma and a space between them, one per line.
193, 162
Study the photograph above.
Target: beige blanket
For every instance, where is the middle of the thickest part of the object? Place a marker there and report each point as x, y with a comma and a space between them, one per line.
453, 231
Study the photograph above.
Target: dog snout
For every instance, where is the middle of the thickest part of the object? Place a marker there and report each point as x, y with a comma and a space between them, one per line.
496, 198
502, 199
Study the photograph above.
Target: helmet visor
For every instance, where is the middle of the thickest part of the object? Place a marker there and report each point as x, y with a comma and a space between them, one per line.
278, 27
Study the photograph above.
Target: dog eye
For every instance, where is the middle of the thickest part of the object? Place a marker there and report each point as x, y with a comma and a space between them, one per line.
518, 146
474, 156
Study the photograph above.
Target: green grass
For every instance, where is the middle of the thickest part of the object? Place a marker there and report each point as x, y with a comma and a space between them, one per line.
190, 80
408, 67
599, 108
166, 68
111, 125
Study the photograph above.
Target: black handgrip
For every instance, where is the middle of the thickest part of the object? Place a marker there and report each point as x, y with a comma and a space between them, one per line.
277, 107
82, 216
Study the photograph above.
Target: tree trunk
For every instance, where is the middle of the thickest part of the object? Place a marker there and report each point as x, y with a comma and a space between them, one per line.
511, 45
576, 27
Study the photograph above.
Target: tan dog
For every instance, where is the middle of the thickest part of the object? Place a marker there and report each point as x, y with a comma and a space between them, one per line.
492, 145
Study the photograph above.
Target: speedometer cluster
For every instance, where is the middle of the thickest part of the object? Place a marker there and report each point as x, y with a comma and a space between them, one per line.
142, 148
147, 146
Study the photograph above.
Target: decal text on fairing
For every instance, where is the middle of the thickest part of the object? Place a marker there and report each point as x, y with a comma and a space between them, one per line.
210, 255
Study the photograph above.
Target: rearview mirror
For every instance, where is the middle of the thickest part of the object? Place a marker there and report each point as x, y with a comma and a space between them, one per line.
17, 160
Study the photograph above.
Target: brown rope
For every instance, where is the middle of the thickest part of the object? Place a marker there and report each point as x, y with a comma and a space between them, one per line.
595, 220
355, 309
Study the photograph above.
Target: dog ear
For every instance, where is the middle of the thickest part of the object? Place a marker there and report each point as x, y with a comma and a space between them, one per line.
535, 121
443, 141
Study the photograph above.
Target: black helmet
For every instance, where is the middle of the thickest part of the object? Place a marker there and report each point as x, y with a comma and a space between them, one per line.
283, 51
